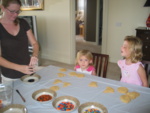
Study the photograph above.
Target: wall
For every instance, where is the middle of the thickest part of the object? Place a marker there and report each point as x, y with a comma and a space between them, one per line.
124, 16
56, 30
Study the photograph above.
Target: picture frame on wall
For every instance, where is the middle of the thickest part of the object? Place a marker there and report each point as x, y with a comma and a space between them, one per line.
32, 4
0, 7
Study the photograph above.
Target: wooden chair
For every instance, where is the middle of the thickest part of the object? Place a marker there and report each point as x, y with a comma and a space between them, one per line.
100, 62
147, 67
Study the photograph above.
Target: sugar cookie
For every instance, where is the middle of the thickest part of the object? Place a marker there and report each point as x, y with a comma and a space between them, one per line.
72, 73
63, 70
93, 84
122, 90
57, 81
125, 98
133, 95
66, 84
80, 75
55, 88
108, 90
61, 75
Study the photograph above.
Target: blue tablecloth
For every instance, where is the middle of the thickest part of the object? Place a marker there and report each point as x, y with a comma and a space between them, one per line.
79, 88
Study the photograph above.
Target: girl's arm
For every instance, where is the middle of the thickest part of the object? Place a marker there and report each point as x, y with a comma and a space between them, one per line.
74, 68
93, 72
142, 74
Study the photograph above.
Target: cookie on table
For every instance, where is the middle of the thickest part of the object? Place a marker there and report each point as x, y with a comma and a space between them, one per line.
108, 90
63, 70
55, 88
122, 90
61, 74
133, 95
57, 81
65, 84
93, 84
79, 75
125, 98
72, 73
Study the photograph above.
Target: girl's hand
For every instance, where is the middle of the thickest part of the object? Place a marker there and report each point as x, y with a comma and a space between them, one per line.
26, 69
94, 73
33, 61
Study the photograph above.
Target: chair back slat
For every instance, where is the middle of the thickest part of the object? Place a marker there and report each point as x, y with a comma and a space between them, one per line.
100, 62
100, 65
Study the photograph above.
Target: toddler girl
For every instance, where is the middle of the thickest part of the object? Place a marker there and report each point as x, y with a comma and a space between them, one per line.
131, 67
84, 62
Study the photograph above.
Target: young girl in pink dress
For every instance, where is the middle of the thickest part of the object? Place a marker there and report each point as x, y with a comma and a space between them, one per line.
132, 69
84, 62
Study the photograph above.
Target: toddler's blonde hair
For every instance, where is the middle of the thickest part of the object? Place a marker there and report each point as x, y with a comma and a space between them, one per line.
135, 46
85, 53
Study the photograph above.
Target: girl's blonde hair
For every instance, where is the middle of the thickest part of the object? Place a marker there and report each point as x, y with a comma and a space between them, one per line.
135, 46
85, 53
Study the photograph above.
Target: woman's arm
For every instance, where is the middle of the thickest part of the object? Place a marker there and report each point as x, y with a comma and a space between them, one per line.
142, 74
22, 68
35, 45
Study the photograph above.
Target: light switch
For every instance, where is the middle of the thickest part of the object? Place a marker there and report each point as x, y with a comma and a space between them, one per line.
118, 24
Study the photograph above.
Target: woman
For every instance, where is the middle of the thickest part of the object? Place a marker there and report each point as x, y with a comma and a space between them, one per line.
15, 34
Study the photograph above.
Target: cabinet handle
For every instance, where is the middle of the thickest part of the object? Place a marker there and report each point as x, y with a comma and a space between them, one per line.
147, 38
146, 46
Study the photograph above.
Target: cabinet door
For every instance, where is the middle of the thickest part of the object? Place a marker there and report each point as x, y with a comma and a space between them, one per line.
146, 51
144, 35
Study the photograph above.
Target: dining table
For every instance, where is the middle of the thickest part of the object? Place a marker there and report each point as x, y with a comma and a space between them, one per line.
80, 89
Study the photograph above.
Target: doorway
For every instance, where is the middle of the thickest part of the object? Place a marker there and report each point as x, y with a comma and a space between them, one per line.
89, 20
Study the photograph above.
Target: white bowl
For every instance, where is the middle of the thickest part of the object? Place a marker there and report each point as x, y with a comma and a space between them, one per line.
92, 105
48, 92
14, 108
30, 79
69, 99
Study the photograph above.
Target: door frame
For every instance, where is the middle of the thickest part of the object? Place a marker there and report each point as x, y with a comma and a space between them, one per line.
104, 30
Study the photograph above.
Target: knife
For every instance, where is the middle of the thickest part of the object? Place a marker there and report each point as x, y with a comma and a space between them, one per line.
21, 95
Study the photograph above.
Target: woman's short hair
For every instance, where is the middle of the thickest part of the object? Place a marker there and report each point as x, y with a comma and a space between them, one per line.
135, 46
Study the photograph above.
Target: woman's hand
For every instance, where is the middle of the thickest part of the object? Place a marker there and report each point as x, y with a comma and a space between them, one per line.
33, 61
26, 69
